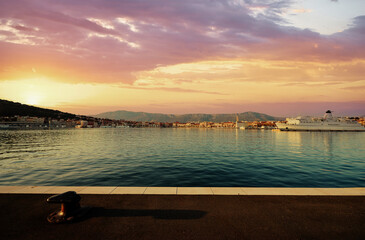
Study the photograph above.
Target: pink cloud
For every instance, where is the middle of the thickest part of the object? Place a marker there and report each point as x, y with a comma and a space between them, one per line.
68, 44
169, 89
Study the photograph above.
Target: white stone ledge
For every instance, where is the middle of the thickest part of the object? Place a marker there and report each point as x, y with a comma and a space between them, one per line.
184, 190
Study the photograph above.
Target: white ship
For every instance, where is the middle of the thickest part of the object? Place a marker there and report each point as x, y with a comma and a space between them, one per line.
327, 123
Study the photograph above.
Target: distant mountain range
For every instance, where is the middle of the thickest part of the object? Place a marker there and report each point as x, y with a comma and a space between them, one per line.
159, 117
9, 108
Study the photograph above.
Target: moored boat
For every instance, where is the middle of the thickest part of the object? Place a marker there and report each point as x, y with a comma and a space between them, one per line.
327, 123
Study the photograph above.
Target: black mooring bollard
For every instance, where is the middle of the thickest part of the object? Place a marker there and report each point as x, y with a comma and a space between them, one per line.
70, 207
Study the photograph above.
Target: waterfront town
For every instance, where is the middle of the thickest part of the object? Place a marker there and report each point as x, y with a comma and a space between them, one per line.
27, 122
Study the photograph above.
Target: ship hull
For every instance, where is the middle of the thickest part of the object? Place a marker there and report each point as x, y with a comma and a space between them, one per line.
321, 127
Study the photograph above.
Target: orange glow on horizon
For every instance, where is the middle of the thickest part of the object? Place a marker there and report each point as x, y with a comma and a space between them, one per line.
190, 84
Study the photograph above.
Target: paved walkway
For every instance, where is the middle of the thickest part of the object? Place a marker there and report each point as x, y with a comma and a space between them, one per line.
150, 216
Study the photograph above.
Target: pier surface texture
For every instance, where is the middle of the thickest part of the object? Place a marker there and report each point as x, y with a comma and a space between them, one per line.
187, 213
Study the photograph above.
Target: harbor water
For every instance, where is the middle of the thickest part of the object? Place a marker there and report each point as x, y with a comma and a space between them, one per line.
182, 157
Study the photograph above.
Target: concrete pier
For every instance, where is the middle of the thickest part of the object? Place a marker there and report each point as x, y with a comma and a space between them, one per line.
187, 213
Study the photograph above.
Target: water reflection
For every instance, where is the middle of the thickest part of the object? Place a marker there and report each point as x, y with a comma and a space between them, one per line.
302, 142
181, 157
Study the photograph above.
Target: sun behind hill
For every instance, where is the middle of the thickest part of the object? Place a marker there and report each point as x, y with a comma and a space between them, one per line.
32, 99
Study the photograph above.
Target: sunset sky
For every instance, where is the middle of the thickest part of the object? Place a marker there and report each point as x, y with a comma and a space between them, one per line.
279, 57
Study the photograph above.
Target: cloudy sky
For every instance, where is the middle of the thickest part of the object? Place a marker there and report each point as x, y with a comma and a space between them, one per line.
280, 57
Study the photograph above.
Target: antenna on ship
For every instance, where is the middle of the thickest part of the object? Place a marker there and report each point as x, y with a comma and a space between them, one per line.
328, 115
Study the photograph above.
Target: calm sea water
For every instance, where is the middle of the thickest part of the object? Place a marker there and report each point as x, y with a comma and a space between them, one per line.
182, 157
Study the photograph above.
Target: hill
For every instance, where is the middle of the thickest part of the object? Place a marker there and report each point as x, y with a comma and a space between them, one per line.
9, 109
159, 117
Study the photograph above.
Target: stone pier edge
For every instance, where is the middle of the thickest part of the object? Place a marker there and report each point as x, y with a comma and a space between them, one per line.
358, 191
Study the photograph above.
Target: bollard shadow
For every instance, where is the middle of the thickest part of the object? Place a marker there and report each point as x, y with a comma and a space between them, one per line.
156, 213
170, 214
